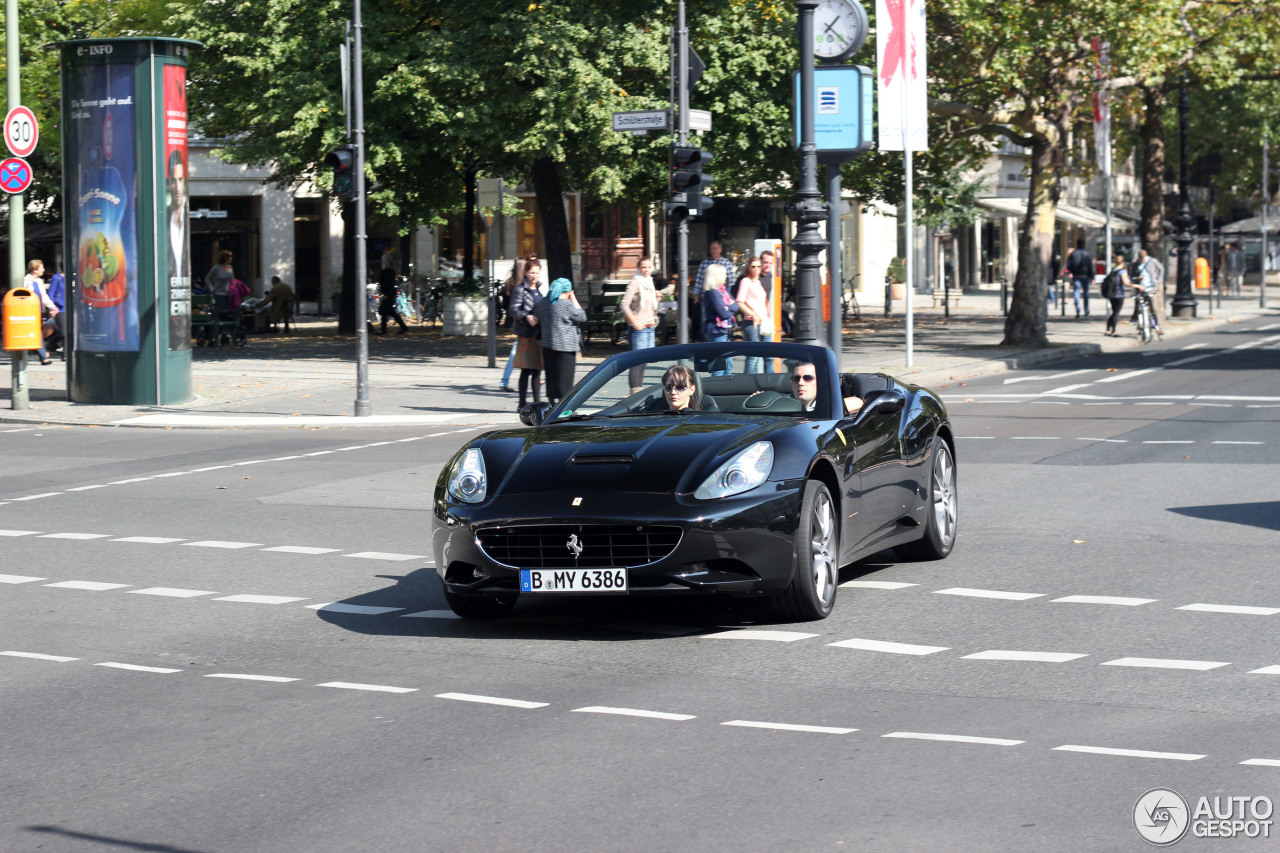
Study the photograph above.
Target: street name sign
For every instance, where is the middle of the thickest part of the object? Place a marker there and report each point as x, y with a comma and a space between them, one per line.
699, 120
15, 175
21, 133
642, 120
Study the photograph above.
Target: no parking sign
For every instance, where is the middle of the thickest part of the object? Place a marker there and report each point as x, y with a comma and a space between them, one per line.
15, 175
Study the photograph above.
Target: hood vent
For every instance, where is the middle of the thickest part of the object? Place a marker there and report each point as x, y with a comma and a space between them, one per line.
604, 459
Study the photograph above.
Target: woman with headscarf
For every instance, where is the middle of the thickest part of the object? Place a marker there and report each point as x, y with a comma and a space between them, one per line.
560, 316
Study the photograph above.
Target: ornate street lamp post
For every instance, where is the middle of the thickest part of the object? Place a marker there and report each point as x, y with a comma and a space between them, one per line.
1184, 300
809, 210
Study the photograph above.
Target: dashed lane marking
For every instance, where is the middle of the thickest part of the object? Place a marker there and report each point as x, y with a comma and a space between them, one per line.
171, 592
877, 584
1231, 608
1040, 657
376, 688
148, 540
228, 465
215, 543
891, 648
757, 634
789, 727
492, 700
632, 712
432, 614
1103, 599
1129, 753
989, 741
301, 549
660, 715
1266, 670
37, 656
19, 532
382, 555
19, 579
990, 593
1164, 663
360, 609
133, 667
259, 599
93, 586
75, 536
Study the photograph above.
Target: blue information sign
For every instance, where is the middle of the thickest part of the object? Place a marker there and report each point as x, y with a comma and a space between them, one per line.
843, 111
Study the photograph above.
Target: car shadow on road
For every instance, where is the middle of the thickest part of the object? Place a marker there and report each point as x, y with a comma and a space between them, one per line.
1264, 514
413, 605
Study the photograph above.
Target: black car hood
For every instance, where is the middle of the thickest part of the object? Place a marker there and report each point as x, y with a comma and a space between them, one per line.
668, 454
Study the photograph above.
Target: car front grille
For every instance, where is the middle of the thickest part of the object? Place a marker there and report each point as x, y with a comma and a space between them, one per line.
614, 546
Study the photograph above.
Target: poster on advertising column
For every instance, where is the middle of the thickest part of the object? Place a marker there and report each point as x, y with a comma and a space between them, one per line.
176, 221
106, 256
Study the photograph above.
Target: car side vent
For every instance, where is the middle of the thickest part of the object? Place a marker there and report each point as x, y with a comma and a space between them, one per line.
604, 459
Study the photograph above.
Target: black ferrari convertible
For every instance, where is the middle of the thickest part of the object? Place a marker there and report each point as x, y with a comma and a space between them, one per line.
748, 469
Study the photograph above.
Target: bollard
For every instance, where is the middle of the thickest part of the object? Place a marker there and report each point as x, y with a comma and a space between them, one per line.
1062, 297
946, 296
1004, 295
888, 295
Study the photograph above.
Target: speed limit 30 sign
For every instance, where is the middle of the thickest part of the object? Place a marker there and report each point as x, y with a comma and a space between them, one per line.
21, 133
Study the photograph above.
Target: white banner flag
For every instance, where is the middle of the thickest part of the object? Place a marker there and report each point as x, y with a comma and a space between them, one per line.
1102, 106
900, 62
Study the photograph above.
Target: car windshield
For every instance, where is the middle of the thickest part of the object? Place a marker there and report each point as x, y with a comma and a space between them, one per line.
678, 380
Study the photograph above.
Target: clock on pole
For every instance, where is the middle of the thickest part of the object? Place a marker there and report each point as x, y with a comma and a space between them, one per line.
839, 30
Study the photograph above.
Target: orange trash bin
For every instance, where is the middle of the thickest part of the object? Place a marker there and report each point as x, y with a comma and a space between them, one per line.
22, 325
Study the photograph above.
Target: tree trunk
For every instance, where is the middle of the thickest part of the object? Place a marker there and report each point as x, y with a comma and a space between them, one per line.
347, 301
1152, 227
555, 225
1025, 325
469, 224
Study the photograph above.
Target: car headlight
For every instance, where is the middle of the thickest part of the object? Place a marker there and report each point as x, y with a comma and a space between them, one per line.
747, 469
468, 482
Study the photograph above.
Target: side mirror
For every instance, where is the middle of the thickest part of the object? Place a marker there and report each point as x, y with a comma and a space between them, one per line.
534, 414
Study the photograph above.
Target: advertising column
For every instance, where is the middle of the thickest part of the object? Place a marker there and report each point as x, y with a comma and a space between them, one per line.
127, 236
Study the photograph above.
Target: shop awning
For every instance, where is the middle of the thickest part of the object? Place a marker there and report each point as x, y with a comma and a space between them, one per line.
1252, 226
1086, 217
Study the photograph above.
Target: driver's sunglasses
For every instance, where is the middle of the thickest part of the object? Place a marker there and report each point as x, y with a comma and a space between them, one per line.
676, 388
803, 377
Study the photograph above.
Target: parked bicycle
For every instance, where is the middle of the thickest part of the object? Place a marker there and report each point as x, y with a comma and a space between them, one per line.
849, 308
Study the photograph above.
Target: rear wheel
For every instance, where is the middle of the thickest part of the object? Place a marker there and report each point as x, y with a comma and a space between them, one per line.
941, 514
483, 606
812, 592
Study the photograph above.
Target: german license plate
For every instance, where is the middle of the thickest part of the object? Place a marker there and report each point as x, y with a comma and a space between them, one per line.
573, 580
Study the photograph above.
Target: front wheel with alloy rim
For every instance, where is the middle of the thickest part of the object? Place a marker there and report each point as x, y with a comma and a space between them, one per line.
816, 559
942, 511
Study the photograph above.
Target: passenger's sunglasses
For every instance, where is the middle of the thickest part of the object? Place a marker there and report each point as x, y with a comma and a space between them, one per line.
806, 377
676, 388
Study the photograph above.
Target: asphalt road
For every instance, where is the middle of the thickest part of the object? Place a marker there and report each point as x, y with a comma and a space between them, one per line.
234, 641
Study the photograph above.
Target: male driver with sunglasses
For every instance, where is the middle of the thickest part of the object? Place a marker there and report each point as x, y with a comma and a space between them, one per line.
804, 387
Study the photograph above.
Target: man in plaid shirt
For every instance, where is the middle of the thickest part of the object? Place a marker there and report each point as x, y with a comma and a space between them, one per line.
715, 250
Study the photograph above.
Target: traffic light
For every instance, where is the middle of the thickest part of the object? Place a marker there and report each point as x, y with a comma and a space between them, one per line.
688, 180
343, 161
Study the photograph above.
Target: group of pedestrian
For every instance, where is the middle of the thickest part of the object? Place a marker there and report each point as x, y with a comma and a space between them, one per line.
548, 331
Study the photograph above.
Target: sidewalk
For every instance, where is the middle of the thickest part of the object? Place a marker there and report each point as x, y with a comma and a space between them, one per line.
308, 379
